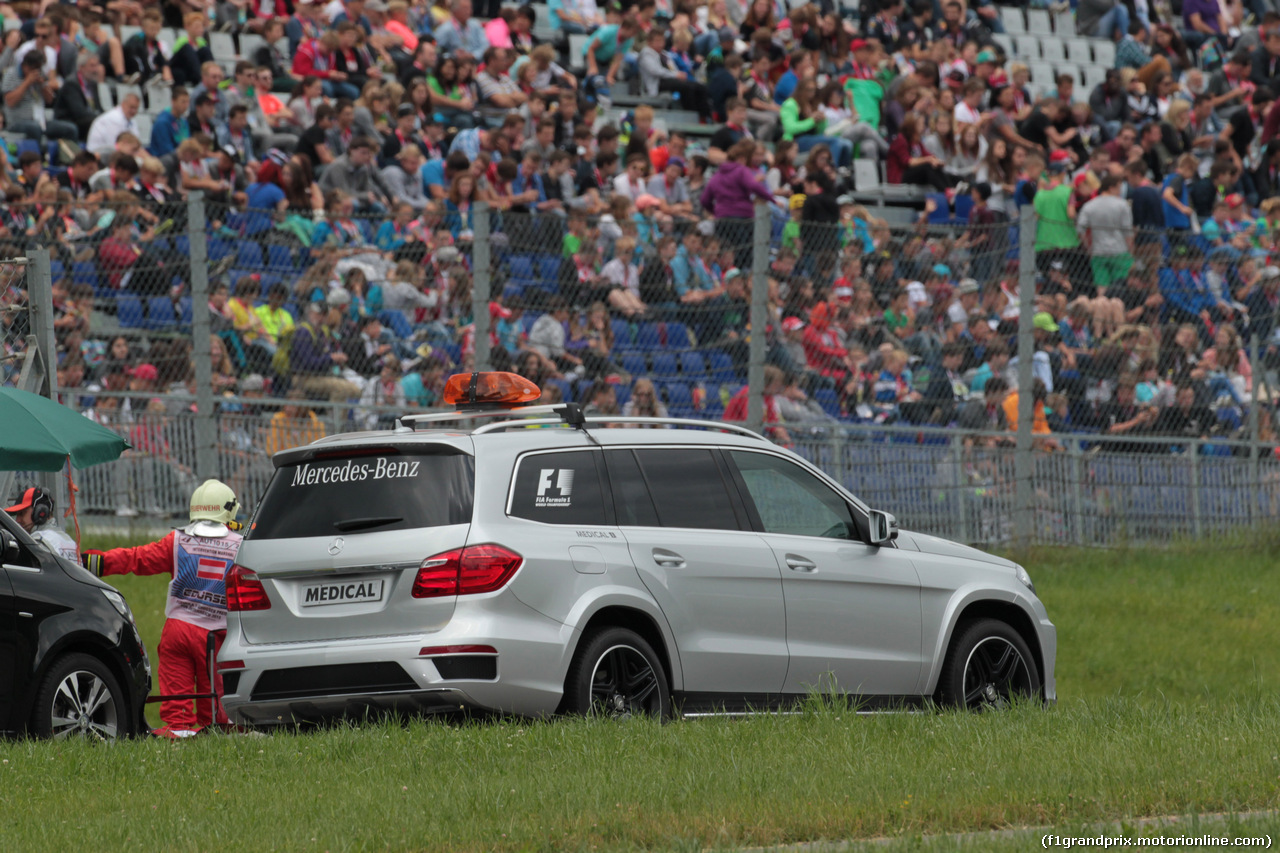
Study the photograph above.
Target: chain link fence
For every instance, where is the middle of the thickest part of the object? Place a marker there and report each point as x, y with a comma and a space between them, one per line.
15, 320
874, 353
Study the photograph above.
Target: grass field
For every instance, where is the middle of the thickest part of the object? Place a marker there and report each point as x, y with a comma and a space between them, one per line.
1167, 674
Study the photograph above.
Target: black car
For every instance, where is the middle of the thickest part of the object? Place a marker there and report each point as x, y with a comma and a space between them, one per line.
71, 661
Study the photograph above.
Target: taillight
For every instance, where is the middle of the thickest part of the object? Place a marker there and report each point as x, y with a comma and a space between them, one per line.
230, 664
466, 571
245, 591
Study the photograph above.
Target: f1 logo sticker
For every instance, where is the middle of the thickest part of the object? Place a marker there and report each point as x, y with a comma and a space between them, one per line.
563, 485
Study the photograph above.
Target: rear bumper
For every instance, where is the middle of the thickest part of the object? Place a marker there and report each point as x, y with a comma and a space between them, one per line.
532, 660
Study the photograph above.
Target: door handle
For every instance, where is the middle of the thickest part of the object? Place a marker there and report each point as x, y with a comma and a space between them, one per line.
668, 559
800, 564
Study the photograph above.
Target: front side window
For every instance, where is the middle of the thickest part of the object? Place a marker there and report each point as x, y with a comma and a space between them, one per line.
792, 501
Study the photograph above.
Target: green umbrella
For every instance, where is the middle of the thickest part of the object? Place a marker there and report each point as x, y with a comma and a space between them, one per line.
38, 435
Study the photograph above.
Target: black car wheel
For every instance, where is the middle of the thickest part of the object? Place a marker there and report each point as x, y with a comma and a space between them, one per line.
989, 664
616, 673
79, 697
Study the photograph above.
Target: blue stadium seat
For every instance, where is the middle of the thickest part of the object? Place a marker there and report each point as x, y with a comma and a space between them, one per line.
623, 394
664, 365
454, 351
679, 400
129, 311
942, 214
280, 258
649, 336
677, 336
521, 266
57, 270
219, 249
633, 363
25, 145
963, 204
84, 272
184, 311
549, 267
721, 366
621, 334
692, 367
249, 255
827, 399
183, 244
160, 313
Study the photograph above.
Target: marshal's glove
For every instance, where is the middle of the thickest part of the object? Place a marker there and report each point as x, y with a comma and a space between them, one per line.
92, 562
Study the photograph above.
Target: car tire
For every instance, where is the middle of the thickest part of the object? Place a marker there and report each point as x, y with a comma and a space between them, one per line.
79, 697
988, 666
616, 673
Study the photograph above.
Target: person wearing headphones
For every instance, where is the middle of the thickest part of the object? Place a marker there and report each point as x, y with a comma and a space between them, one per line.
34, 512
198, 557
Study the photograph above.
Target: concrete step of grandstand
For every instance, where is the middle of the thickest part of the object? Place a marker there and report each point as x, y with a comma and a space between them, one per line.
661, 102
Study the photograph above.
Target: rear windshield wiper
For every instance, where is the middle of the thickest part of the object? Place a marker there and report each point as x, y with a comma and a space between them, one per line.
349, 524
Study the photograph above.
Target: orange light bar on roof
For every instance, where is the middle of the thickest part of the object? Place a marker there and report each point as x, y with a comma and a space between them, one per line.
501, 390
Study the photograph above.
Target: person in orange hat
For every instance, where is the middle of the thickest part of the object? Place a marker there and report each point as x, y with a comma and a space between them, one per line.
33, 510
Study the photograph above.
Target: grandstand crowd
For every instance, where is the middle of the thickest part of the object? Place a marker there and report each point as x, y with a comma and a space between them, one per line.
342, 150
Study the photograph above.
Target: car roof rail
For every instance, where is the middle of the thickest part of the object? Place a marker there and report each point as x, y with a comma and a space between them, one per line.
568, 414
622, 419
407, 423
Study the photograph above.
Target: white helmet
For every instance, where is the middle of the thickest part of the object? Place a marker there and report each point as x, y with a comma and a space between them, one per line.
213, 500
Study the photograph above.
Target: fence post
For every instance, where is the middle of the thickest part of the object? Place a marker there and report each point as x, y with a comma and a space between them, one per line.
1077, 490
480, 283
1197, 525
205, 428
962, 487
40, 298
1022, 460
759, 316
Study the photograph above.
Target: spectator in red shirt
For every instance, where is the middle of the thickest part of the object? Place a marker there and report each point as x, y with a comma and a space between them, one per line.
118, 253
775, 382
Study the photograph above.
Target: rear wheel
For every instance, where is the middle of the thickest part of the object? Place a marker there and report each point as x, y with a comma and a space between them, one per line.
617, 674
80, 698
988, 666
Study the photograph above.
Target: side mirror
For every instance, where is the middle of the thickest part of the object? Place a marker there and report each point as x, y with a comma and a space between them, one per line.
9, 551
883, 527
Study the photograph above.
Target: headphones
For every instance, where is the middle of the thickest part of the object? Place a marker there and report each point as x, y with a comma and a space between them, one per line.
41, 505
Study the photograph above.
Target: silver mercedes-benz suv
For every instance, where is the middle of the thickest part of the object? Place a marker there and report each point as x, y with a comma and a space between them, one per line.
555, 565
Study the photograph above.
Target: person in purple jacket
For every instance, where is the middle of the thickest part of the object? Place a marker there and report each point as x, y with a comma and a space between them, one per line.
730, 197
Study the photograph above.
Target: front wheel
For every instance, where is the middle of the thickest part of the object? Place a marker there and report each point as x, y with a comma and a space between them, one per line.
989, 664
617, 674
80, 698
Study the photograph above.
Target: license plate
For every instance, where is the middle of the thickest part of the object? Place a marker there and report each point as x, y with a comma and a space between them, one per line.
342, 592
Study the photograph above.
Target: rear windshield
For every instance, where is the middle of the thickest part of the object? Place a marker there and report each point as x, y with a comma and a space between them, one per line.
367, 493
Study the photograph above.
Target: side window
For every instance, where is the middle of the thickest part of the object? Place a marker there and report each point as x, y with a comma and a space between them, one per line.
631, 499
559, 488
687, 488
791, 500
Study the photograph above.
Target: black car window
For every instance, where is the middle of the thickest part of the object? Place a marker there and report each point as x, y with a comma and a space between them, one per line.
559, 488
367, 492
630, 494
25, 556
790, 500
687, 487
